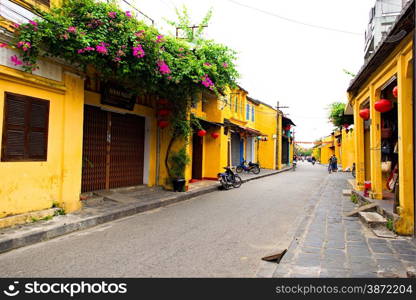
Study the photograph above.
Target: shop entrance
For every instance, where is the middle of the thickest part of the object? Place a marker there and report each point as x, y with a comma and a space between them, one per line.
113, 150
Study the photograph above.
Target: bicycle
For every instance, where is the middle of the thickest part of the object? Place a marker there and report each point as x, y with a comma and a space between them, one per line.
294, 166
228, 179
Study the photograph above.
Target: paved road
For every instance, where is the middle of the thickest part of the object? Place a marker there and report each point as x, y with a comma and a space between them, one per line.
222, 234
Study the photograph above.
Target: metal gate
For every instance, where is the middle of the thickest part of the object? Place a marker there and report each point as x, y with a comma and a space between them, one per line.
235, 149
113, 150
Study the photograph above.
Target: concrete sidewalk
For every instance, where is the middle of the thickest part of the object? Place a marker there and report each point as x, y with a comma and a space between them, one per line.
108, 206
328, 244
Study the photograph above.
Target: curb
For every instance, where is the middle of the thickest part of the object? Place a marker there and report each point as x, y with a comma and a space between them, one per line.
50, 231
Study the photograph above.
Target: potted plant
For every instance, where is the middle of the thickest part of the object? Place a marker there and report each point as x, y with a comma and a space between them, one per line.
178, 161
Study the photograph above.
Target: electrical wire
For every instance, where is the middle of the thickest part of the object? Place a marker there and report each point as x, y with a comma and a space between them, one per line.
293, 20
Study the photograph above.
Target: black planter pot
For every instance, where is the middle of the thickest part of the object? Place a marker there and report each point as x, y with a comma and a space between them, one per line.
178, 185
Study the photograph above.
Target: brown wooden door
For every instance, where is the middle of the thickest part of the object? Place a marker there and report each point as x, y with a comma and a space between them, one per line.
197, 144
126, 150
113, 150
94, 157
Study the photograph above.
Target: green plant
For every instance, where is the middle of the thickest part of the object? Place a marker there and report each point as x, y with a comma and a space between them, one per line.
354, 198
34, 219
179, 160
336, 113
60, 212
390, 224
47, 218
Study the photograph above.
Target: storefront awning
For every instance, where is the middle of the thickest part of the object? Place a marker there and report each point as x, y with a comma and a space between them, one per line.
287, 121
209, 123
253, 131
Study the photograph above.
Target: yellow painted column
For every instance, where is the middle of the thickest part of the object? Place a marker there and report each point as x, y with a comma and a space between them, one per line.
405, 224
73, 120
375, 147
279, 141
359, 148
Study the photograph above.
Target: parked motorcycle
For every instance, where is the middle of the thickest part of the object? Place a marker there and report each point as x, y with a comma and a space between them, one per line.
251, 167
228, 179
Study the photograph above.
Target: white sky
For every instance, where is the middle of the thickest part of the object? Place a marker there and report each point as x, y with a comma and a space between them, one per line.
281, 61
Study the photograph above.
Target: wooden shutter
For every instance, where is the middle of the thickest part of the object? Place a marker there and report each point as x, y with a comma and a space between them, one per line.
38, 129
44, 2
25, 128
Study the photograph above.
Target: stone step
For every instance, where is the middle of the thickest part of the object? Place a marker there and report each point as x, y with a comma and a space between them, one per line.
372, 219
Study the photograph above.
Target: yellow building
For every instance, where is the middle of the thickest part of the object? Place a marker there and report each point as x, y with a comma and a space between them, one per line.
66, 134
384, 142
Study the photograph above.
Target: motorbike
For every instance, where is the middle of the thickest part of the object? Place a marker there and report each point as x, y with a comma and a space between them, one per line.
294, 165
228, 179
251, 167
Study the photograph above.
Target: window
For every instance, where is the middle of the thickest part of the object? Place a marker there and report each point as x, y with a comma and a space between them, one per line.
252, 113
236, 103
204, 103
25, 129
247, 111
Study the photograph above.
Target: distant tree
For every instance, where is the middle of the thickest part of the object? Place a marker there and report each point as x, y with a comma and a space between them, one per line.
336, 113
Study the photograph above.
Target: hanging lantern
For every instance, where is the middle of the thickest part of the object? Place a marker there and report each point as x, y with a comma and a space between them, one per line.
367, 185
162, 124
365, 113
163, 112
287, 127
259, 138
395, 91
162, 101
346, 125
383, 105
202, 132
215, 135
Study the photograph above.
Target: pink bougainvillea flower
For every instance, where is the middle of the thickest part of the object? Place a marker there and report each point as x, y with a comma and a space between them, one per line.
112, 14
159, 38
163, 67
16, 60
139, 34
15, 25
102, 48
34, 23
24, 45
117, 59
207, 82
180, 49
89, 48
120, 53
2, 45
138, 51
72, 29
80, 51
225, 65
64, 36
170, 77
128, 14
207, 64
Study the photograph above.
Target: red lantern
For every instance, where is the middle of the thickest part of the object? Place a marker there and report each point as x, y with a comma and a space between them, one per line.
365, 113
346, 125
162, 101
162, 124
383, 105
215, 135
287, 127
395, 91
163, 112
367, 185
202, 132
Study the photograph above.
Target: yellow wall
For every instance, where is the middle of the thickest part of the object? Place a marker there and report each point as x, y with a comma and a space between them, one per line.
266, 123
399, 63
347, 149
30, 186
326, 150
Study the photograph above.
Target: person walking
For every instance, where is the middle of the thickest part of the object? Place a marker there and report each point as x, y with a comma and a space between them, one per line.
333, 163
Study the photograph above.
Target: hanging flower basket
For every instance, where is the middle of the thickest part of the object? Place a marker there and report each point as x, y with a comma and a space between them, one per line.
365, 113
383, 105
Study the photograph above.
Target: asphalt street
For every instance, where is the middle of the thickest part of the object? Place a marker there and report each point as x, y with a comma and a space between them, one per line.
221, 234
